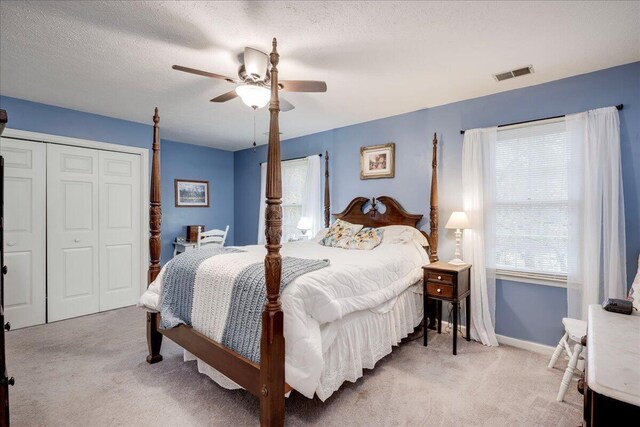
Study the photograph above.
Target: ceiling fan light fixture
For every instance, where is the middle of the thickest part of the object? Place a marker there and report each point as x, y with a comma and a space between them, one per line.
254, 96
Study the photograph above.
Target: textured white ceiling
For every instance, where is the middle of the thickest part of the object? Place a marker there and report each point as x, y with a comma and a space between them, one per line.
378, 58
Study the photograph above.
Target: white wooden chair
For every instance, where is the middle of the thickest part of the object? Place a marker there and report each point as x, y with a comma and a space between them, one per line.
574, 331
212, 237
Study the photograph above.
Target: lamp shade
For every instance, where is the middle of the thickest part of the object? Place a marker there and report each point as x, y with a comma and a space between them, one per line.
458, 220
304, 223
254, 96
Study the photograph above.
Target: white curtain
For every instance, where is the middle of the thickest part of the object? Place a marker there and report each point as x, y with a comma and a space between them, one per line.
597, 248
311, 206
478, 243
311, 198
263, 201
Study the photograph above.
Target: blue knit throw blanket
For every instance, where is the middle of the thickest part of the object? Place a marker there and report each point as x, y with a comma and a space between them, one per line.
243, 325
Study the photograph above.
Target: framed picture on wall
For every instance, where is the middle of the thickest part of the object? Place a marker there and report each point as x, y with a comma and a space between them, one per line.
377, 161
191, 193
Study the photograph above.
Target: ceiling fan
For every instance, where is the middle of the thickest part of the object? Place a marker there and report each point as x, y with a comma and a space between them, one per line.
254, 79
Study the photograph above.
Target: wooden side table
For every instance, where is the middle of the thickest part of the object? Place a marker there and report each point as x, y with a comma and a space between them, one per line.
452, 283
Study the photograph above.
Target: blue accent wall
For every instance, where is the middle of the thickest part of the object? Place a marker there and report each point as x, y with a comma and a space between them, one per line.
525, 311
178, 160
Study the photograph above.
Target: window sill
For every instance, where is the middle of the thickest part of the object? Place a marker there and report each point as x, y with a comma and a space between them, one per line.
532, 278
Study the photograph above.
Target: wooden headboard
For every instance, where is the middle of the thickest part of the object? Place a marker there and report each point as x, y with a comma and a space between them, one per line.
394, 213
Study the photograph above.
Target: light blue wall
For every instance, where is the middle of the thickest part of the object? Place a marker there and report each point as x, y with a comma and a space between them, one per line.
187, 161
525, 311
177, 160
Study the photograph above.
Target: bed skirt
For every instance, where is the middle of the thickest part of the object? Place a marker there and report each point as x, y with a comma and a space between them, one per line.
357, 342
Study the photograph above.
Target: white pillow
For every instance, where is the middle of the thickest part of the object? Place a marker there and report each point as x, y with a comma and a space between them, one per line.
403, 234
320, 235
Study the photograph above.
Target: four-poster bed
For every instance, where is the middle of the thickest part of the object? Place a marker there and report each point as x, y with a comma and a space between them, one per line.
266, 379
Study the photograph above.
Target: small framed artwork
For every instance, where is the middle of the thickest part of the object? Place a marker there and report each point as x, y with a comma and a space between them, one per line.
377, 161
192, 194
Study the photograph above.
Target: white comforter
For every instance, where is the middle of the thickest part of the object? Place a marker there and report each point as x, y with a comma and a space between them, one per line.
356, 280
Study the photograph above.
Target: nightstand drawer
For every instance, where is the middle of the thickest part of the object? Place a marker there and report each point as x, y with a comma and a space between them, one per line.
440, 290
436, 276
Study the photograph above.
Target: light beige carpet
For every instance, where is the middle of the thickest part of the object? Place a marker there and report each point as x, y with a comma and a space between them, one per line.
91, 371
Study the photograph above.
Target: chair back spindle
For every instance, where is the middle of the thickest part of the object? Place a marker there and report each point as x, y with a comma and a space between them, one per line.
212, 237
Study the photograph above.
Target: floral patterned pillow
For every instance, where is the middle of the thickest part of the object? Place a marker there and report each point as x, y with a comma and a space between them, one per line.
634, 292
366, 239
338, 231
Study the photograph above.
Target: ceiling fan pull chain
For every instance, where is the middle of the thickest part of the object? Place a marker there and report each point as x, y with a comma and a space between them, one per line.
254, 129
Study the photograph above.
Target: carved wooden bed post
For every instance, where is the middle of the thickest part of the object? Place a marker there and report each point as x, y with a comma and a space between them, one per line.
154, 338
327, 200
433, 213
272, 340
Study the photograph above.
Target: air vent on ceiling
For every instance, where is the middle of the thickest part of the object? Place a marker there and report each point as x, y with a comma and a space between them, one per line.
523, 71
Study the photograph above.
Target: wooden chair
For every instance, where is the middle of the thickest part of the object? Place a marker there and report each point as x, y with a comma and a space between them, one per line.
574, 330
212, 237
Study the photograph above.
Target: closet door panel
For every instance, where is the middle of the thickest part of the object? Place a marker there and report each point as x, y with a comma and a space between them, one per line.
72, 231
25, 239
120, 223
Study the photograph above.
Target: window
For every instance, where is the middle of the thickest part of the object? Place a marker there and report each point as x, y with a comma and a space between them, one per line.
531, 202
294, 175
301, 183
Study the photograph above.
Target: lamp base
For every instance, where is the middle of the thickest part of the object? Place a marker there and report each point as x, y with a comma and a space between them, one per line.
457, 261
304, 234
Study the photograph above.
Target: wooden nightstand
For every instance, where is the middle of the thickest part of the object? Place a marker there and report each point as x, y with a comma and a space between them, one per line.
452, 283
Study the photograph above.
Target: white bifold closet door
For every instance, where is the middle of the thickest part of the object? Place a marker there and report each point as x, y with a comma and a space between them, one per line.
25, 232
120, 261
93, 229
72, 232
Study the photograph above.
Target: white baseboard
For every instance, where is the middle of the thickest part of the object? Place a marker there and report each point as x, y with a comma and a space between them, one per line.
535, 347
526, 345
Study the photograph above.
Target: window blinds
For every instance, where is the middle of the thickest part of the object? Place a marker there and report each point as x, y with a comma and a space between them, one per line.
531, 199
294, 175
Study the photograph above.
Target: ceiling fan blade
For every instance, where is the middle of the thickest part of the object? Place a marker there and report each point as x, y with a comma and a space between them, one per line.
303, 85
285, 105
225, 96
255, 63
203, 73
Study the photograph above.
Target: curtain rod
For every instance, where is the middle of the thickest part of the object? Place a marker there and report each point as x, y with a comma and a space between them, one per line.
296, 158
619, 107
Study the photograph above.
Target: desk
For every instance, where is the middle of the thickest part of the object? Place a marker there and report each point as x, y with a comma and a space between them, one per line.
612, 375
179, 247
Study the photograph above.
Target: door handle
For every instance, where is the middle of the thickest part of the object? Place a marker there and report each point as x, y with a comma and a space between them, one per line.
76, 240
11, 243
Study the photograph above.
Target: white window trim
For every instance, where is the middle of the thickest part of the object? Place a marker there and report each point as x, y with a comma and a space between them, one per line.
554, 280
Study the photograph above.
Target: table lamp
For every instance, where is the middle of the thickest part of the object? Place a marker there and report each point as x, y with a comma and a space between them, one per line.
458, 221
304, 225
